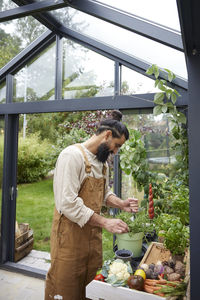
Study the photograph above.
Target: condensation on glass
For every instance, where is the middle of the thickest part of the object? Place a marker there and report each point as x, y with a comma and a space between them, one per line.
3, 92
85, 73
158, 142
133, 82
125, 41
36, 81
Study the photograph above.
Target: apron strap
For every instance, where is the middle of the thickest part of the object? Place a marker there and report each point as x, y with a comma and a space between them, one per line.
87, 164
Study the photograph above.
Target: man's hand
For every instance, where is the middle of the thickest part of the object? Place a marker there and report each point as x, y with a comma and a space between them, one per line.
116, 226
111, 225
130, 205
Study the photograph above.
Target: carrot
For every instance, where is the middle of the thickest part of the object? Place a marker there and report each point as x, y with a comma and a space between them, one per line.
155, 281
148, 289
154, 288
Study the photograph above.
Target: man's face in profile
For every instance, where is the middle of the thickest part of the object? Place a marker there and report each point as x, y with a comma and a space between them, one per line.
103, 152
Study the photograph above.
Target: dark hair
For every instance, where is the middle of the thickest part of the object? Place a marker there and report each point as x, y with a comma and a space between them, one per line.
115, 125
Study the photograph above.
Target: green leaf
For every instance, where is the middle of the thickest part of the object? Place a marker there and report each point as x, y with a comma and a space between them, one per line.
173, 97
162, 87
149, 71
158, 98
157, 82
157, 73
182, 118
164, 108
157, 110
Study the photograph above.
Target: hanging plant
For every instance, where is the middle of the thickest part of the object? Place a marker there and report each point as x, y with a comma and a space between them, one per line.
165, 102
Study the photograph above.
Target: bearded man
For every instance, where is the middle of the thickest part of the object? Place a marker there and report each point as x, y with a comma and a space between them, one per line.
81, 187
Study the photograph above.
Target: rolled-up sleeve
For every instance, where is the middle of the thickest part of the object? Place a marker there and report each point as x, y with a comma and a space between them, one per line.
66, 188
108, 191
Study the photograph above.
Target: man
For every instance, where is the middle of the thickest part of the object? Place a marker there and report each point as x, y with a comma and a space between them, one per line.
80, 189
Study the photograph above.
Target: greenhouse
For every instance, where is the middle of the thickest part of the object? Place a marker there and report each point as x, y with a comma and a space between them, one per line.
65, 65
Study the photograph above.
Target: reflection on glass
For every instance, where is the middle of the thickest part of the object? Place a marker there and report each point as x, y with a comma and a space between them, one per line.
3, 92
36, 81
86, 73
135, 83
162, 12
158, 142
1, 167
133, 44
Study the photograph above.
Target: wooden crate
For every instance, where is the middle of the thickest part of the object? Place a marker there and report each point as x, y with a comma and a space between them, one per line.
155, 252
23, 244
97, 290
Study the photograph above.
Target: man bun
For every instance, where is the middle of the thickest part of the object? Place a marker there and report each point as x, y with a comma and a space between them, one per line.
116, 115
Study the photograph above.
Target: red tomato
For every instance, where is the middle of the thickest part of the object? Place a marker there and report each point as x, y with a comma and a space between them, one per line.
99, 277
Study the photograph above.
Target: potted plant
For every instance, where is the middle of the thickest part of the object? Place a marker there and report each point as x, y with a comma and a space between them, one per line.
139, 225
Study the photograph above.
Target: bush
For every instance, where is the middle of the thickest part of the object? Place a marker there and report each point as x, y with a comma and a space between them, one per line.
34, 159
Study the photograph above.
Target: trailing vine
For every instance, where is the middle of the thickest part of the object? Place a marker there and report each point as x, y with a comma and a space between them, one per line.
133, 158
165, 102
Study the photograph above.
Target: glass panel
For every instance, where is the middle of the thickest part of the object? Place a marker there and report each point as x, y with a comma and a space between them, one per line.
158, 142
136, 83
1, 167
36, 81
86, 73
7, 4
162, 12
133, 44
3, 92
15, 35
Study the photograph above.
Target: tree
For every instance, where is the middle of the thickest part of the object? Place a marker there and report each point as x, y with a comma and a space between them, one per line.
9, 47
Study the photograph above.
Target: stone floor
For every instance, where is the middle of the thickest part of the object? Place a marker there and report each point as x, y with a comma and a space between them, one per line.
15, 286
36, 259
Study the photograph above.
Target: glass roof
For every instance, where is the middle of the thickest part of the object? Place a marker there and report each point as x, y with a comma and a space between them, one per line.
159, 11
126, 41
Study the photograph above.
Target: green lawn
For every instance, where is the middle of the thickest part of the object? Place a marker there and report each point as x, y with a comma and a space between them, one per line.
35, 205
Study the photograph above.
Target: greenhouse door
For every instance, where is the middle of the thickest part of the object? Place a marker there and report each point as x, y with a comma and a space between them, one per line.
9, 190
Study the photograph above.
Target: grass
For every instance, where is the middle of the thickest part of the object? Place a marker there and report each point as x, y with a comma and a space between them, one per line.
35, 205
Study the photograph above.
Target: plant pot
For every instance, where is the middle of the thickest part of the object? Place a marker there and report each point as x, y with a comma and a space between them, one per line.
131, 242
123, 254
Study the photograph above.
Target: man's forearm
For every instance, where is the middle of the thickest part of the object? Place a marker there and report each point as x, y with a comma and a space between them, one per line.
114, 201
97, 220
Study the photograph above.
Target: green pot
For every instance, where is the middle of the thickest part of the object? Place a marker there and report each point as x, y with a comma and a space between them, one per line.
131, 242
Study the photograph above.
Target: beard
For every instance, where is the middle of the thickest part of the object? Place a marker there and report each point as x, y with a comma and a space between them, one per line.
103, 152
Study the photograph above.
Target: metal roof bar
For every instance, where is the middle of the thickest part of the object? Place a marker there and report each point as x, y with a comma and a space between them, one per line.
139, 101
44, 18
30, 9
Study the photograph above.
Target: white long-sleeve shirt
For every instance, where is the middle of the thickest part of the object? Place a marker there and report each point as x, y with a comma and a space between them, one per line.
68, 177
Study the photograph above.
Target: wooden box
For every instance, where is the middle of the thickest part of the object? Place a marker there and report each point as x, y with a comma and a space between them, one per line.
23, 243
156, 252
98, 290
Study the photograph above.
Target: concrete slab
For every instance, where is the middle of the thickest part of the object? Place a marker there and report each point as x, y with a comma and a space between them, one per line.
15, 286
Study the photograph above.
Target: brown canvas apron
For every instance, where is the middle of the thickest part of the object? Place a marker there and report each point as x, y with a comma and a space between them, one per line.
76, 253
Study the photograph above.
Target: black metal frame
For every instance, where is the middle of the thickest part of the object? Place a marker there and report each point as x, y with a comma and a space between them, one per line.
190, 27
